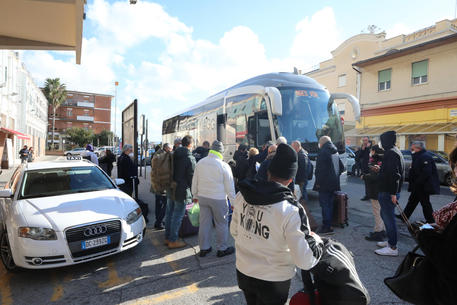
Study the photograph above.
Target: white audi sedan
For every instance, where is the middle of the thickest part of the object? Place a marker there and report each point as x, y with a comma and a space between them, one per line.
60, 213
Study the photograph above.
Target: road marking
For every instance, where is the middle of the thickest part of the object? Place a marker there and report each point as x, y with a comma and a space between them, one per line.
5, 288
113, 278
167, 296
58, 288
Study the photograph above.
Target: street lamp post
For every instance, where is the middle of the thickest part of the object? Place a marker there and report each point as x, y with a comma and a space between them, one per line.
115, 116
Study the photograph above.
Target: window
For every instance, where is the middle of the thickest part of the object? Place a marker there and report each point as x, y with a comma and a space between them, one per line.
342, 80
419, 72
69, 112
341, 108
384, 78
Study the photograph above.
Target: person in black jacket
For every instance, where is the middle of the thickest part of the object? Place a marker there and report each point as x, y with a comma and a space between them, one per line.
364, 158
302, 173
390, 181
126, 169
423, 181
201, 151
252, 160
371, 182
328, 170
183, 172
241, 164
106, 162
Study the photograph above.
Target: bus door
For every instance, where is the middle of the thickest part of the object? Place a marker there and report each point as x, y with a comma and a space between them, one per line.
259, 129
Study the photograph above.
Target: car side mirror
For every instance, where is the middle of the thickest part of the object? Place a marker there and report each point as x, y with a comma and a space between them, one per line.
119, 181
6, 193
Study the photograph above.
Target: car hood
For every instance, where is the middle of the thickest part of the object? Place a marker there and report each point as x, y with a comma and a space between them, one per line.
60, 212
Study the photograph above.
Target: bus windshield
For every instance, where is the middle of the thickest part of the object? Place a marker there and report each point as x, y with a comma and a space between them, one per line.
306, 116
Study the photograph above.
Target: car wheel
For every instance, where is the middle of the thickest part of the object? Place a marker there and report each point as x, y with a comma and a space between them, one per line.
5, 253
448, 179
68, 155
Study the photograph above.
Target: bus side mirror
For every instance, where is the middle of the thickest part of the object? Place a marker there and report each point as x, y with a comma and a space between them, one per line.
352, 99
275, 100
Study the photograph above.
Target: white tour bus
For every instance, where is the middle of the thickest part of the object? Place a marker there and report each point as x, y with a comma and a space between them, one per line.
261, 109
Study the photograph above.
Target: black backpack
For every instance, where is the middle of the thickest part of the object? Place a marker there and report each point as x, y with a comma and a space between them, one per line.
336, 278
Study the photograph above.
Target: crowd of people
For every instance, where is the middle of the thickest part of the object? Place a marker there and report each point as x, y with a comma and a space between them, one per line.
264, 194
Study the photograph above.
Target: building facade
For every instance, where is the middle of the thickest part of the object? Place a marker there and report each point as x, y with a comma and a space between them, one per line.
83, 110
411, 88
405, 83
23, 110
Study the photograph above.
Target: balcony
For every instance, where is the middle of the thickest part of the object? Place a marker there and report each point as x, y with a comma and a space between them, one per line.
85, 104
85, 118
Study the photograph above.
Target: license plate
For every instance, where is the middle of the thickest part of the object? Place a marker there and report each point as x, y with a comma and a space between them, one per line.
96, 242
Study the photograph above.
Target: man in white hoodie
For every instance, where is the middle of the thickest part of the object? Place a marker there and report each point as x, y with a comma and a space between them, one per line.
211, 185
272, 233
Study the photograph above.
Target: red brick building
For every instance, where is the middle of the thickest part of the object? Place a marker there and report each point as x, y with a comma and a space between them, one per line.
81, 109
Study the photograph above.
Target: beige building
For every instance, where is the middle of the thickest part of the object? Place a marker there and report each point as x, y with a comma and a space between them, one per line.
407, 84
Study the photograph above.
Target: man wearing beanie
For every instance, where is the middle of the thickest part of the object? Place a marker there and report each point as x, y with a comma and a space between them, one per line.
211, 185
272, 233
390, 181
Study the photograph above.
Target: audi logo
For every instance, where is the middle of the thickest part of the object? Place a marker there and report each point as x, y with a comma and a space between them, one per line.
95, 230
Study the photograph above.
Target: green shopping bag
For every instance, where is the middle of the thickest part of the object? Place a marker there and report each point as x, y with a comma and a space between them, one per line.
194, 215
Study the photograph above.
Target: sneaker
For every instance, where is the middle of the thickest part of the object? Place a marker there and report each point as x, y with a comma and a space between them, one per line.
376, 236
176, 244
324, 231
228, 251
204, 252
382, 244
383, 234
159, 227
387, 251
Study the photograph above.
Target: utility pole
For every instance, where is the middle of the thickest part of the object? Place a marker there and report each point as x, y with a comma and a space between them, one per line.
115, 116
147, 149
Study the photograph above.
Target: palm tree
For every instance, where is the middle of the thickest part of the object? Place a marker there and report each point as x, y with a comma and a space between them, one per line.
56, 94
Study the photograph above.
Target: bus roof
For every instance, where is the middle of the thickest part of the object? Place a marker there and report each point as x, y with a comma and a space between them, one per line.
277, 79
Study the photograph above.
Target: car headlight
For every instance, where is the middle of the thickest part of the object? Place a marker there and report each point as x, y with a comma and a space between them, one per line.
133, 216
37, 233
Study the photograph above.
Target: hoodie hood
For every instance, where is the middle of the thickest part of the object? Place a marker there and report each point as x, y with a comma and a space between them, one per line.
388, 139
257, 192
182, 152
329, 147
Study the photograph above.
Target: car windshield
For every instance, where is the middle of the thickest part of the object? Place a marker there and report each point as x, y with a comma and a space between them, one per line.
307, 115
61, 181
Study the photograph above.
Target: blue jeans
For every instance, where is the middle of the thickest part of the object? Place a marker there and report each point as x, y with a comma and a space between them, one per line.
326, 201
388, 216
173, 218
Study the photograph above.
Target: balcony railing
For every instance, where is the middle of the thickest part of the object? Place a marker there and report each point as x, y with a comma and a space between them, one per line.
85, 118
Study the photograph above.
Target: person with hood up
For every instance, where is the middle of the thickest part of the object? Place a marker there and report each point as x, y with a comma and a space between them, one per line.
272, 233
262, 173
183, 171
211, 185
423, 181
328, 170
390, 181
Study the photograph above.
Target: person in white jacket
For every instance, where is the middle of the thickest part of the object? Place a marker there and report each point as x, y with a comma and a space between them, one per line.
211, 185
272, 233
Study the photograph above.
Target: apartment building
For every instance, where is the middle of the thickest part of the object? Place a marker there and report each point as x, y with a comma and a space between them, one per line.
81, 109
405, 83
23, 110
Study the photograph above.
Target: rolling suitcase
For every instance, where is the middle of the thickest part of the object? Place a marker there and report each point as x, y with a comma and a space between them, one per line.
187, 229
340, 210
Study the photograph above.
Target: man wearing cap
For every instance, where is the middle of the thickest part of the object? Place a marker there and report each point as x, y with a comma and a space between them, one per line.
272, 233
90, 155
211, 185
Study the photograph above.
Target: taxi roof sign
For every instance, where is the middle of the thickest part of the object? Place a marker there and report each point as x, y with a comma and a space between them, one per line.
71, 158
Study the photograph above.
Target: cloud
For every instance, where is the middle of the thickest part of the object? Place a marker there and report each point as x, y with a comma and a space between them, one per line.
185, 71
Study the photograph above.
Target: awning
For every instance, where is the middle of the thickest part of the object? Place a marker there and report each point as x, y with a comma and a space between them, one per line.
20, 135
42, 25
423, 129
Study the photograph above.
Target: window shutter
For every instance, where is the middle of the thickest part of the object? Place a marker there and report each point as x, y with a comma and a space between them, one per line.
384, 75
420, 68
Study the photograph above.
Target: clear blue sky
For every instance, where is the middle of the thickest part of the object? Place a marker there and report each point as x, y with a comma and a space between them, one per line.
171, 54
